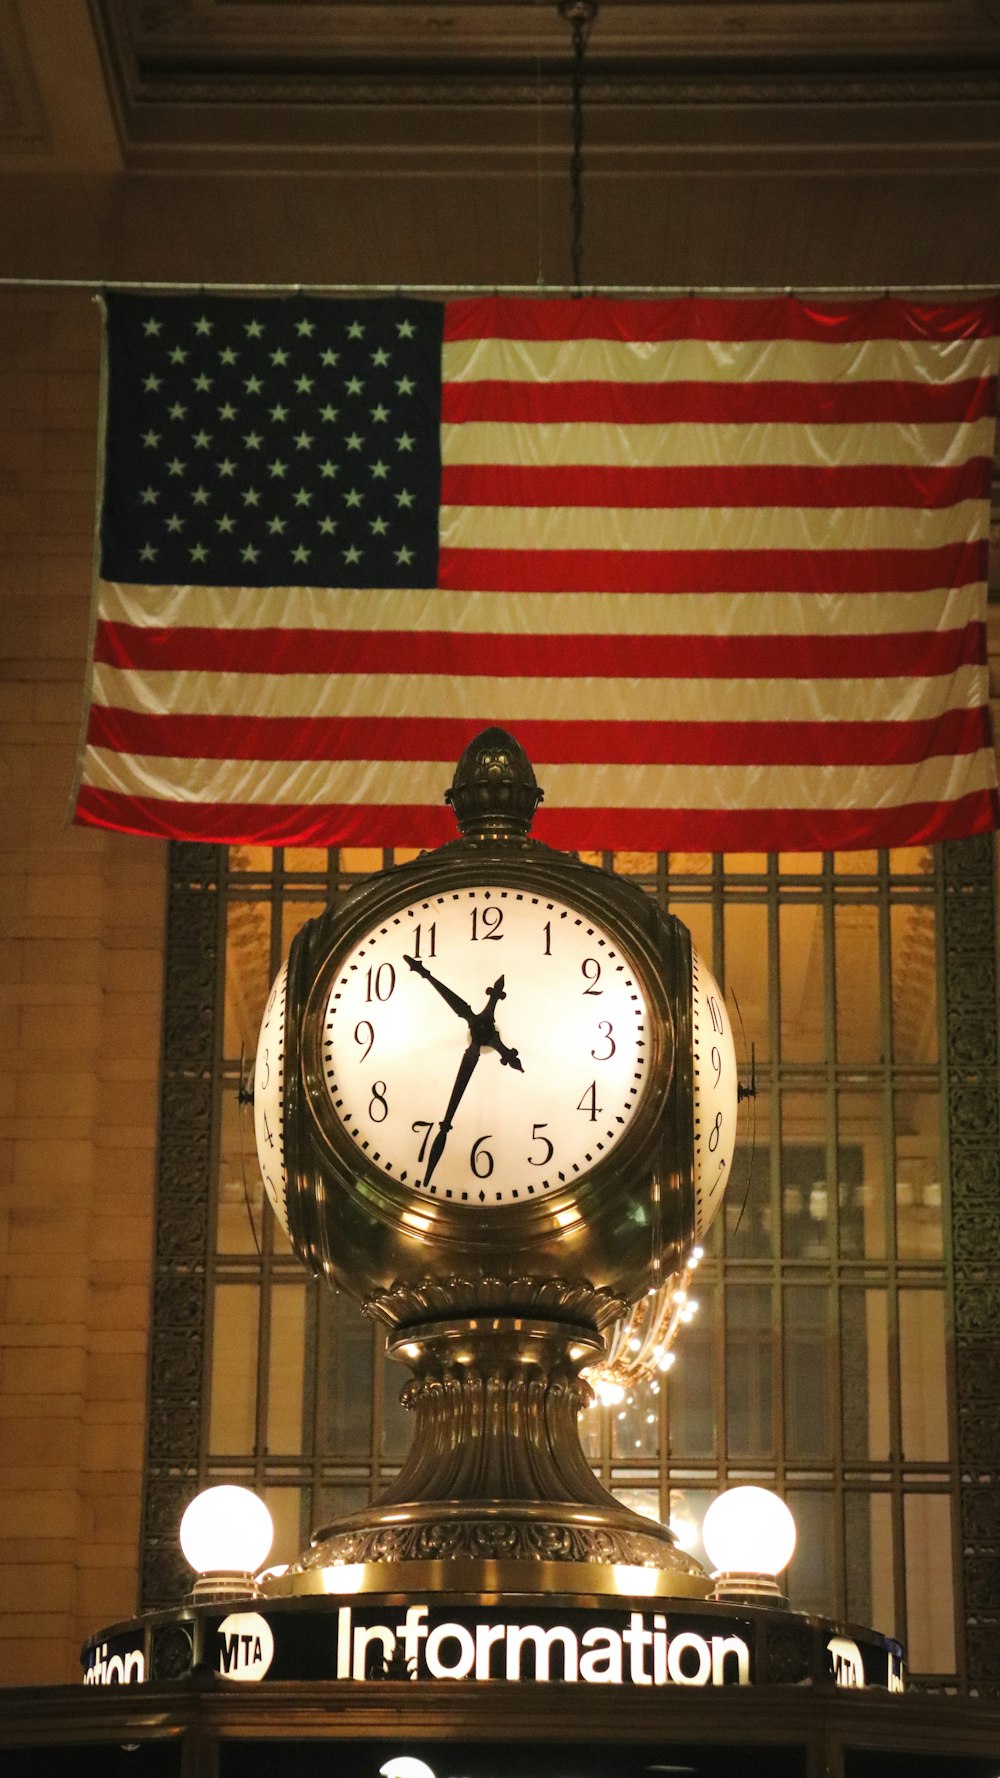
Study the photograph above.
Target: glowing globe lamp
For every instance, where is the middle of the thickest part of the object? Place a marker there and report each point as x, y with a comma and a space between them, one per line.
749, 1534
226, 1534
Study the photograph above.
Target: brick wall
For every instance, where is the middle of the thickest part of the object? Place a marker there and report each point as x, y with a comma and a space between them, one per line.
81, 921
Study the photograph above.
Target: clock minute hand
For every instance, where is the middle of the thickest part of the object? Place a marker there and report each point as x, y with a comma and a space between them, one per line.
484, 1029
452, 999
466, 1069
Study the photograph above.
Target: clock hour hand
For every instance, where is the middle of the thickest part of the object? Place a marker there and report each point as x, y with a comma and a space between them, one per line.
466, 1069
485, 1032
453, 1000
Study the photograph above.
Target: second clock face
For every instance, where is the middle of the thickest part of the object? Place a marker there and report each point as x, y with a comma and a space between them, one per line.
487, 1046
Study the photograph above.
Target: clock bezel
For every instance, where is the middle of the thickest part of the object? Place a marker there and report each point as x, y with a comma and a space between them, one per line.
393, 1231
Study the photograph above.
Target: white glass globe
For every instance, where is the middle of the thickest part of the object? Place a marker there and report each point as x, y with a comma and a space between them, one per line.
226, 1530
748, 1531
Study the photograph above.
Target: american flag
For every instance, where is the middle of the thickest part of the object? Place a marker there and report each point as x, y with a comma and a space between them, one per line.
719, 564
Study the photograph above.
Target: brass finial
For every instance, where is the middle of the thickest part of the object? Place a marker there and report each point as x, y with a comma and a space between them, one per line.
494, 793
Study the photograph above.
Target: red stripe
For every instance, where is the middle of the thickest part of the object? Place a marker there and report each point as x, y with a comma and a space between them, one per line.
547, 743
922, 654
625, 404
713, 571
487, 484
712, 318
699, 830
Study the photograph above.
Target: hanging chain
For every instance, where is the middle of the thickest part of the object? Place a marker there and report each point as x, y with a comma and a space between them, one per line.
580, 15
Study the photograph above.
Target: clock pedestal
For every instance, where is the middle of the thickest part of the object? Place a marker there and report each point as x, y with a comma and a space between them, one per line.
496, 1491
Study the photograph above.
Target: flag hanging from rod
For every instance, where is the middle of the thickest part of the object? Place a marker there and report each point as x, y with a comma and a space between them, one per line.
720, 565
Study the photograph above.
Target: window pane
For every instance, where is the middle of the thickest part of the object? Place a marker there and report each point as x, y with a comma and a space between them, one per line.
919, 1233
640, 1500
304, 858
248, 972
234, 1370
868, 1537
750, 1227
930, 1605
750, 1371
856, 864
914, 983
859, 1020
747, 976
691, 1410
861, 1167
346, 1373
744, 864
635, 1425
688, 1507
697, 917
288, 1509
800, 864
240, 1195
805, 1196
923, 1376
801, 964
864, 1374
811, 1583
397, 1422
286, 1370
294, 915
808, 1417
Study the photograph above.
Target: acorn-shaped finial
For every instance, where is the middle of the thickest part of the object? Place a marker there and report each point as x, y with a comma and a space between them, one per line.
494, 793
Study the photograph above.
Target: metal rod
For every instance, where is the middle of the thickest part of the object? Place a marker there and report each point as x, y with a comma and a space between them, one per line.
580, 16
188, 287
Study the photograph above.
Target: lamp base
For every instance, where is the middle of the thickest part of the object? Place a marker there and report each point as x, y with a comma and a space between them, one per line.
749, 1589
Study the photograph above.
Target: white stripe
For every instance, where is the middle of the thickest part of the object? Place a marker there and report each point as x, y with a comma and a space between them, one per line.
542, 614
695, 443
556, 700
621, 786
717, 361
710, 528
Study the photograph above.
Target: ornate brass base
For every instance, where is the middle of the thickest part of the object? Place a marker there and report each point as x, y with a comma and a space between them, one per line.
496, 1479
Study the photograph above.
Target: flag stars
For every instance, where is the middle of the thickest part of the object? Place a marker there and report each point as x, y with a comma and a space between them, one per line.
178, 411
303, 385
227, 467
200, 496
252, 440
302, 497
149, 496
379, 527
250, 497
405, 386
227, 411
254, 330
152, 384
330, 358
353, 497
151, 327
380, 413
225, 524
327, 526
327, 469
302, 441
201, 440
354, 386
202, 383
228, 356
253, 385
300, 554
405, 329
178, 355
198, 552
176, 467
353, 554
355, 331
328, 413
279, 357
404, 556
278, 469
305, 329
380, 358
380, 470
276, 525
404, 442
147, 553
203, 326
404, 498
249, 553
279, 413
354, 441
151, 440
175, 523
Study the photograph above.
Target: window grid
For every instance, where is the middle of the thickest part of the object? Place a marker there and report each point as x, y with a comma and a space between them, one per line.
281, 892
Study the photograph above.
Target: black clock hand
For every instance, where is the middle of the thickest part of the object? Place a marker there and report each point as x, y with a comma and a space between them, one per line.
466, 1069
458, 1005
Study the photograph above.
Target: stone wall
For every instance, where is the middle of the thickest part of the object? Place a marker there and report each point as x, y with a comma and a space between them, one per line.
81, 923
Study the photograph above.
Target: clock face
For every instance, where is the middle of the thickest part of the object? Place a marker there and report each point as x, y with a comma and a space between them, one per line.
715, 1094
268, 1098
486, 1046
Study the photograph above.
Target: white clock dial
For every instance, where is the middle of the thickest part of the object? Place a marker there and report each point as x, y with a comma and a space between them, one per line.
715, 1095
268, 1098
486, 1046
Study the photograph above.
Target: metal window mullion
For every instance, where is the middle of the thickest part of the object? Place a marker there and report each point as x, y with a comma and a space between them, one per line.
834, 1332
892, 1257
215, 1135
775, 1150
